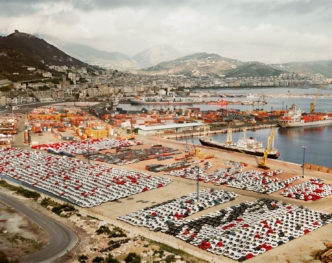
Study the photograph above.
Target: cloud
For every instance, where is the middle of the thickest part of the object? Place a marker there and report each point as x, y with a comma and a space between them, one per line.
268, 31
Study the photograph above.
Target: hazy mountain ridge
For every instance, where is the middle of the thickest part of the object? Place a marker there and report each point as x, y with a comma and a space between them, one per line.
323, 67
115, 60
118, 60
155, 55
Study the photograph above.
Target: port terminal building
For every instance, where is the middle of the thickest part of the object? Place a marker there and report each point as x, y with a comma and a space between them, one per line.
171, 128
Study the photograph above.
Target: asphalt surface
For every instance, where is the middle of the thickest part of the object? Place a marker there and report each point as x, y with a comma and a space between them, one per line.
61, 238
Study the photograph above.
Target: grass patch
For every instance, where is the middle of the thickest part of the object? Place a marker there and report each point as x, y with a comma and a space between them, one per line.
117, 232
46, 202
58, 208
20, 190
186, 257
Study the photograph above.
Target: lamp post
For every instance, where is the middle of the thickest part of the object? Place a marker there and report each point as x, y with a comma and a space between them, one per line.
89, 149
304, 148
198, 185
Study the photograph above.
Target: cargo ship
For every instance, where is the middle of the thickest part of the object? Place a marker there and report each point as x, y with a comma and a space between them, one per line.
244, 145
297, 118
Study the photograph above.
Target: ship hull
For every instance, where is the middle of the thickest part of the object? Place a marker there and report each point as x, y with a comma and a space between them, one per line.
306, 124
215, 145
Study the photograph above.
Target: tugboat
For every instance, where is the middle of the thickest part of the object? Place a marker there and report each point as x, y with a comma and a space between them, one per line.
244, 145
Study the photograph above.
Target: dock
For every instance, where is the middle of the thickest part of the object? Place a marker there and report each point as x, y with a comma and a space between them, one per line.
220, 131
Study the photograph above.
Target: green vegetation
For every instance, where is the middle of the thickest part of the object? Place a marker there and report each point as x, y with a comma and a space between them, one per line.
20, 190
98, 260
45, 87
187, 257
27, 193
57, 208
103, 230
83, 258
63, 208
16, 239
170, 258
133, 258
46, 202
6, 88
253, 69
117, 232
54, 80
111, 259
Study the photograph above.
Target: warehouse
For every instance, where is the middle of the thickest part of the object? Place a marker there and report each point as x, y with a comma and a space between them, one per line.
171, 128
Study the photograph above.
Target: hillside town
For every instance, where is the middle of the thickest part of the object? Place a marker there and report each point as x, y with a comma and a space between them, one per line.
80, 84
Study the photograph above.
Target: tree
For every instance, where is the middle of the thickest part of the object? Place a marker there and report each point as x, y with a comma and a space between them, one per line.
98, 260
111, 259
133, 258
83, 258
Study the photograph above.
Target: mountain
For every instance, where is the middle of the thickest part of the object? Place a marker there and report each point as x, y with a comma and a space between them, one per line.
254, 69
92, 56
323, 67
155, 55
117, 60
195, 65
18, 51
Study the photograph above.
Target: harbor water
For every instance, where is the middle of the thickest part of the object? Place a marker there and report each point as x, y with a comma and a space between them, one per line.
317, 140
289, 142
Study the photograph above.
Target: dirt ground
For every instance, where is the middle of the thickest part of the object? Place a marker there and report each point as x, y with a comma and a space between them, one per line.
18, 235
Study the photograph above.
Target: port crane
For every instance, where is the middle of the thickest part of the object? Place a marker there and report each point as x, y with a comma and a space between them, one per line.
262, 164
229, 139
313, 104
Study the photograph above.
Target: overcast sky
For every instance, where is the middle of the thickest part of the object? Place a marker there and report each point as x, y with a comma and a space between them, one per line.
263, 30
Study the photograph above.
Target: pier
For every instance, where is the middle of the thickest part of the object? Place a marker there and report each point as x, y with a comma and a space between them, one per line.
224, 130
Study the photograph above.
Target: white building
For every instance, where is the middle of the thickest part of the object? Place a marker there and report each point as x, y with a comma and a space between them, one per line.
173, 127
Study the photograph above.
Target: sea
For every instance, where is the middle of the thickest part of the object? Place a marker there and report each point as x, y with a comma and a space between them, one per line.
313, 144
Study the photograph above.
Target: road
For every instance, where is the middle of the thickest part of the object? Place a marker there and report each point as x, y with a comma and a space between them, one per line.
61, 238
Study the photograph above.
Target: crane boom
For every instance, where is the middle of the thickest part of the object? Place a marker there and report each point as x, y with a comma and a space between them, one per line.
313, 104
266, 152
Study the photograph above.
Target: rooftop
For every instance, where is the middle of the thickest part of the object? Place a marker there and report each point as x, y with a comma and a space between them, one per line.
170, 126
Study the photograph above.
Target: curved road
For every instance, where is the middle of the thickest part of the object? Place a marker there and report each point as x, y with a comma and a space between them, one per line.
61, 238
